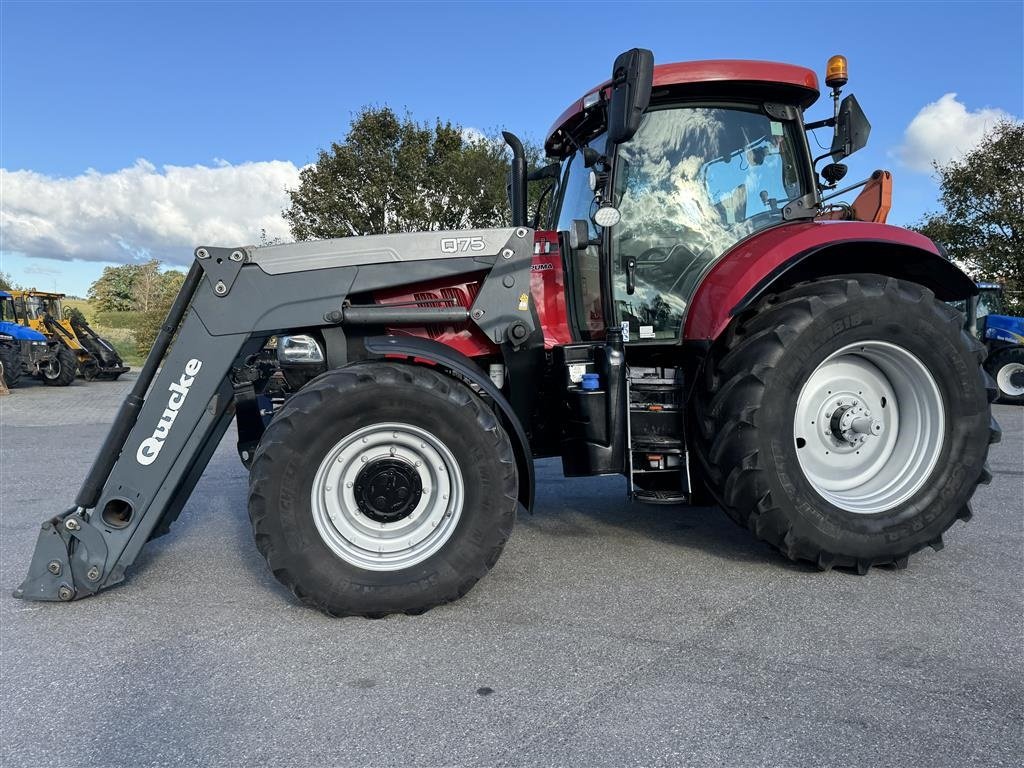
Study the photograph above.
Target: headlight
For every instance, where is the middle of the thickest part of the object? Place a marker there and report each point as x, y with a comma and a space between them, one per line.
292, 350
6, 337
38, 343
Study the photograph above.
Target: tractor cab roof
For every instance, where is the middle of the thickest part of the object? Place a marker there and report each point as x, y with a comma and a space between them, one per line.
718, 79
43, 294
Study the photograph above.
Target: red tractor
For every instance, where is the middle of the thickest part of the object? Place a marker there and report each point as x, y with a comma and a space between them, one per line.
695, 311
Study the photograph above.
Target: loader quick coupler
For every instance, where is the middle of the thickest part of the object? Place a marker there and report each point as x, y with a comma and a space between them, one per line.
69, 559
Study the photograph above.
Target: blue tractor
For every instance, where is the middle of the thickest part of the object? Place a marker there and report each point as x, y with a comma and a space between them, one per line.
21, 348
1003, 335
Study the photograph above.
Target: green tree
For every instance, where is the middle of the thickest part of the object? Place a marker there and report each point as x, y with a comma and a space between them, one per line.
982, 194
391, 174
165, 287
114, 290
6, 283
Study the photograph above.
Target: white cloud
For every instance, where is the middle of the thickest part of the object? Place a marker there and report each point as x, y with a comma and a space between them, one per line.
945, 130
139, 212
473, 135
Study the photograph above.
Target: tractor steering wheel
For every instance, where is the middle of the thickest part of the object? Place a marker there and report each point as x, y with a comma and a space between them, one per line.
670, 266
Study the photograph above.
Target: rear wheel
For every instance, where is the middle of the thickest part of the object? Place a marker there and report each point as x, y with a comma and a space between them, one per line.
60, 370
846, 421
1007, 368
382, 488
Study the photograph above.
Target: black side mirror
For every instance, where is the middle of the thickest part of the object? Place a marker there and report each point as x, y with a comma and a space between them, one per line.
852, 129
632, 78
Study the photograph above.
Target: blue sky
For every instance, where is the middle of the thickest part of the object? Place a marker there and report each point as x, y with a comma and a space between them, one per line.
207, 86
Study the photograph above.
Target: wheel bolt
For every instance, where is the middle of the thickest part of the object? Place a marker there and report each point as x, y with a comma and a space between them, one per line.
53, 567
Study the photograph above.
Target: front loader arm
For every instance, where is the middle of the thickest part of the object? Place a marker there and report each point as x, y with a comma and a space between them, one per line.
182, 403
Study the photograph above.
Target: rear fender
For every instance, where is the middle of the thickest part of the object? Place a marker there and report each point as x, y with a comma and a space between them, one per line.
426, 352
783, 256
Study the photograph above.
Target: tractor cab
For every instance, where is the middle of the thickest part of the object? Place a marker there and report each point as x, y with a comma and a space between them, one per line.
33, 307
719, 153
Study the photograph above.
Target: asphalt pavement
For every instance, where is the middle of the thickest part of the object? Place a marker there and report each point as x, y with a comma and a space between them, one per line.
607, 634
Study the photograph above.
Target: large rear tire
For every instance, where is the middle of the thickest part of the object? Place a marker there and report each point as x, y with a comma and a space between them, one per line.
846, 421
382, 488
61, 370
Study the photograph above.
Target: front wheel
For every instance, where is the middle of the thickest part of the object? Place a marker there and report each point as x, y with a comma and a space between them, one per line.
60, 370
846, 421
382, 488
10, 367
1007, 368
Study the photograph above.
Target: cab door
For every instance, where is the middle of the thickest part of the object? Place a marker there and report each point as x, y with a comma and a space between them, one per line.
692, 182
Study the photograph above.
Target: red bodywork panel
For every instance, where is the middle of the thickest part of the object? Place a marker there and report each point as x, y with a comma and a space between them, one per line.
803, 81
547, 291
741, 269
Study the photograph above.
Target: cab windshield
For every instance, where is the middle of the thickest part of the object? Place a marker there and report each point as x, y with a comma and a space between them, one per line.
35, 307
990, 302
693, 182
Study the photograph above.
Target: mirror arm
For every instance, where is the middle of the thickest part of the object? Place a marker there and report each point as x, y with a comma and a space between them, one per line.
843, 191
828, 122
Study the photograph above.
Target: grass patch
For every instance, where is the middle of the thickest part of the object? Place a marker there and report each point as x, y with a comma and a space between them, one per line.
116, 327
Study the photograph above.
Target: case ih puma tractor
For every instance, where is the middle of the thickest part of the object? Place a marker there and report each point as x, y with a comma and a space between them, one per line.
691, 313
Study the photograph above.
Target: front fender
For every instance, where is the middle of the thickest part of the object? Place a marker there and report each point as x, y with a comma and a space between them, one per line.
428, 352
782, 256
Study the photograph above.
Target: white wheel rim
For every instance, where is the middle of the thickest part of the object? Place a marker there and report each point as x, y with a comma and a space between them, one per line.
1004, 378
868, 427
355, 536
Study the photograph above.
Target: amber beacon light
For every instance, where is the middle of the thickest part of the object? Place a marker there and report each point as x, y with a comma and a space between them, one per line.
836, 72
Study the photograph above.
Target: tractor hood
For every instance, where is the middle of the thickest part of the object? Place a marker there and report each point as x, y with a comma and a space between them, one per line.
1004, 328
20, 332
380, 249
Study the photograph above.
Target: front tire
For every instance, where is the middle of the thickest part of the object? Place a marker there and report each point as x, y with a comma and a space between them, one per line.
61, 370
382, 488
10, 367
1007, 368
846, 421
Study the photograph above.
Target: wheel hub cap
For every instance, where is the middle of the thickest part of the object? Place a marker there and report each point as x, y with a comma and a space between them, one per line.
387, 490
868, 426
851, 423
